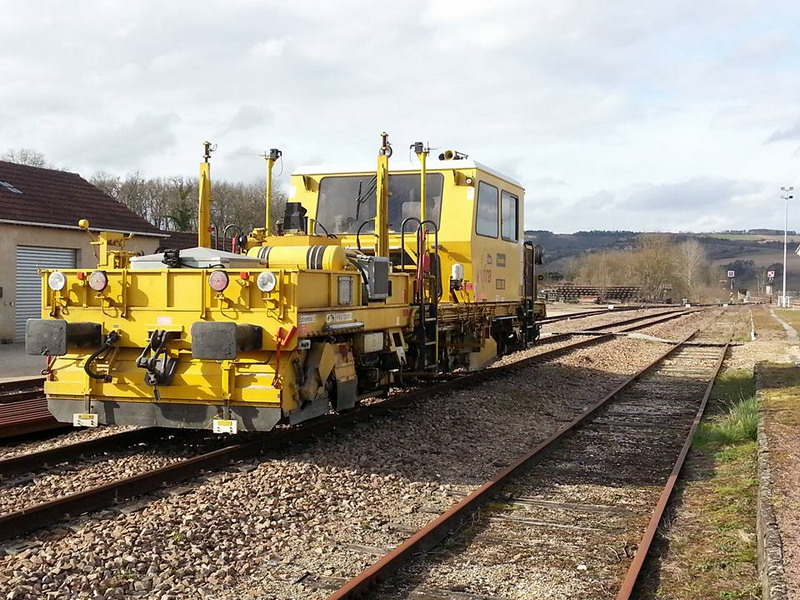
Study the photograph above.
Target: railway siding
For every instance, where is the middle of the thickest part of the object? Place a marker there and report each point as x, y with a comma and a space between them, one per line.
545, 536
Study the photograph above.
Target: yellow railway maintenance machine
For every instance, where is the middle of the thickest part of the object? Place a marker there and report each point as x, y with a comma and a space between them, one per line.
372, 277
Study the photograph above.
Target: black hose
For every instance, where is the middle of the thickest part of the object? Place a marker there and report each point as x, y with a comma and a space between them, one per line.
358, 232
110, 340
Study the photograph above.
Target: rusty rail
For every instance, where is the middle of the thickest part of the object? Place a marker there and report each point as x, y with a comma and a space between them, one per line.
599, 312
23, 408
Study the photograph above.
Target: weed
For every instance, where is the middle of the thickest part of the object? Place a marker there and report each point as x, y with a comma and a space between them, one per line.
739, 424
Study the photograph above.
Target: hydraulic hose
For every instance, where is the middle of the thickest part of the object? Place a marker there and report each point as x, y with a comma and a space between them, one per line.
109, 341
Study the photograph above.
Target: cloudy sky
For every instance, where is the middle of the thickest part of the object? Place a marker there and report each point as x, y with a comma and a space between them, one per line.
631, 114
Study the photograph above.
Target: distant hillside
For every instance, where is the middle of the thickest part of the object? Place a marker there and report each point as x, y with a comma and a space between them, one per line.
749, 252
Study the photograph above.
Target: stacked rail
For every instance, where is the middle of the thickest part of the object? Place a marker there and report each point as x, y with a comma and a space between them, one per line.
23, 408
576, 293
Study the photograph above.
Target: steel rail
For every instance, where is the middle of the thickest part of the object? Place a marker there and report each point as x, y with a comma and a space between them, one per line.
48, 513
23, 408
668, 316
37, 428
26, 417
18, 395
22, 383
34, 461
635, 568
435, 531
598, 312
640, 318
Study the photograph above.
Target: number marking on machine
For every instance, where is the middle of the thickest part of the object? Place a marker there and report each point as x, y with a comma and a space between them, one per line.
84, 420
225, 426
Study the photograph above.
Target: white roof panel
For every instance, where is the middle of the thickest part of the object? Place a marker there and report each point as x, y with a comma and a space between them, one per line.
396, 167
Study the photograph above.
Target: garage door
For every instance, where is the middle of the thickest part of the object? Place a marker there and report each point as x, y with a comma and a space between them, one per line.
29, 288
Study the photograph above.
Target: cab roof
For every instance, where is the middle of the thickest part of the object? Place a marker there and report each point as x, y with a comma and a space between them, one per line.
394, 167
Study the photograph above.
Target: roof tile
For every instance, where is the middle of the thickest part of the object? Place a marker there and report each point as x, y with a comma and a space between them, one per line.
61, 198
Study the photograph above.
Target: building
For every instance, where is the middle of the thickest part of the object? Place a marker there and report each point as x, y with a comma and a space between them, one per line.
39, 213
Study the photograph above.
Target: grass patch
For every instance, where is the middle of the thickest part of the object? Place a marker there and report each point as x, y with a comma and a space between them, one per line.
763, 321
738, 425
781, 393
731, 387
791, 316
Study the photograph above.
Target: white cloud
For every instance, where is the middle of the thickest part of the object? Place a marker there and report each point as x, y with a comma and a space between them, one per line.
577, 100
267, 49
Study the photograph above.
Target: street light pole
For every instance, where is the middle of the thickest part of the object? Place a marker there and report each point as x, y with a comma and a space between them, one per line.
786, 195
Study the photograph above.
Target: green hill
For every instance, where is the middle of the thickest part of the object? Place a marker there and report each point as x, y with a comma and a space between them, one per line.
749, 252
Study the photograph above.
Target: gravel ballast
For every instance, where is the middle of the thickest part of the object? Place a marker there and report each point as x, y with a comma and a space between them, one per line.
272, 528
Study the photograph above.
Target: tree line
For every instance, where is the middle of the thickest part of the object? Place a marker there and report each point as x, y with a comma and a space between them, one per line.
170, 203
662, 266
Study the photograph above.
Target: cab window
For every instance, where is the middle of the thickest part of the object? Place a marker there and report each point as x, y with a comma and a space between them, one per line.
509, 217
486, 221
347, 202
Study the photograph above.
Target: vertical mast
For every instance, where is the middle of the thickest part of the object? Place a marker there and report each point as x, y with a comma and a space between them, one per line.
274, 155
382, 195
422, 154
204, 199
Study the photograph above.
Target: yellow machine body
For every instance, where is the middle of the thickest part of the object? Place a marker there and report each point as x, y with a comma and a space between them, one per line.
491, 261
310, 316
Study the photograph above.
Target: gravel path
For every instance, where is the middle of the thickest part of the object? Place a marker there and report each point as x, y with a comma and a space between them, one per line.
271, 528
72, 437
29, 490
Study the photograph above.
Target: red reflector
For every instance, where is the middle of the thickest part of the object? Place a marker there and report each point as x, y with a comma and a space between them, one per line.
81, 275
244, 275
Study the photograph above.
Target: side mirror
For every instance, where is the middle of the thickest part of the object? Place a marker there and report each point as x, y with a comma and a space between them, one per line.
538, 255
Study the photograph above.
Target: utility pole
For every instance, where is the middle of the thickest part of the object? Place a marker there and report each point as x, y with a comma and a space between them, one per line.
786, 194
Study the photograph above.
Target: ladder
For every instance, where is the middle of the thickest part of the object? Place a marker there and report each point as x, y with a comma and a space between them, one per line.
529, 286
427, 291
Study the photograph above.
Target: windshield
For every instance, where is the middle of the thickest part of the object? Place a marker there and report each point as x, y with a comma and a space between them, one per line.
348, 201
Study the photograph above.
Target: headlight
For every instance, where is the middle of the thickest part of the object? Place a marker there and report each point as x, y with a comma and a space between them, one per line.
266, 281
98, 281
218, 280
57, 281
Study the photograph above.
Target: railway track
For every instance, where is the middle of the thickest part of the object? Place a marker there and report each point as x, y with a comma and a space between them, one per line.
627, 325
29, 518
595, 312
23, 409
573, 517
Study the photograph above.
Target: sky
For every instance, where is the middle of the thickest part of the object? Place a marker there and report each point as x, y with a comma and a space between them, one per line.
680, 115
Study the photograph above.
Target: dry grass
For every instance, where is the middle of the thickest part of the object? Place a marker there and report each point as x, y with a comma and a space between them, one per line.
764, 323
781, 394
791, 316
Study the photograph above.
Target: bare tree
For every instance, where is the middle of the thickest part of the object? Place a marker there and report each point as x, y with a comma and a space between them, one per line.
108, 183
654, 264
692, 267
170, 203
26, 156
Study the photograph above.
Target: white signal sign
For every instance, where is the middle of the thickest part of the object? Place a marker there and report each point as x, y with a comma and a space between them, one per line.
771, 274
731, 274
